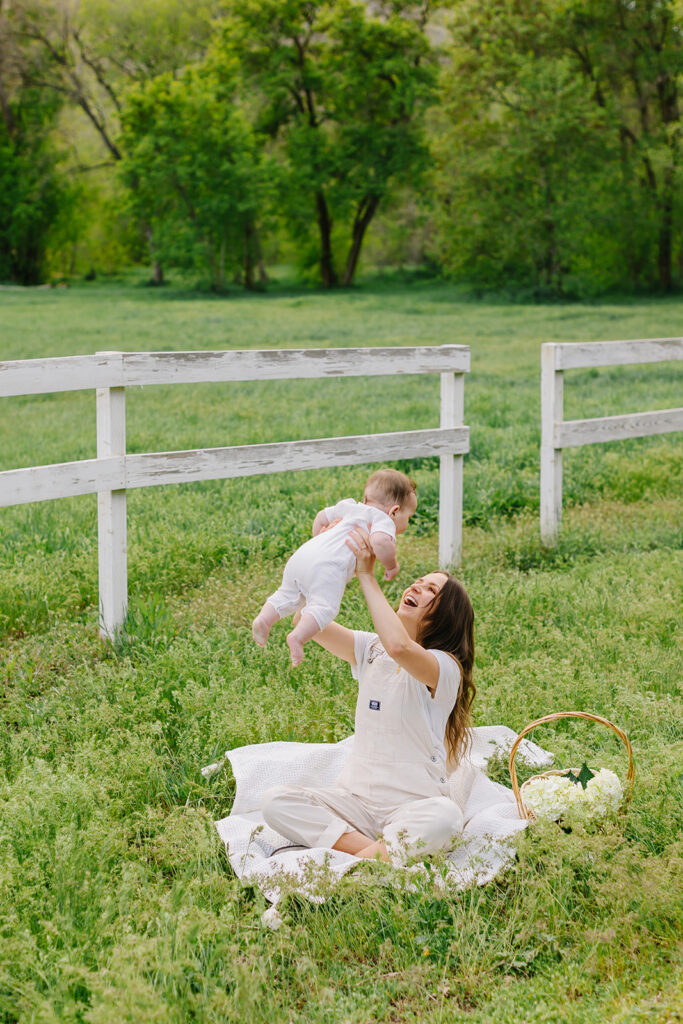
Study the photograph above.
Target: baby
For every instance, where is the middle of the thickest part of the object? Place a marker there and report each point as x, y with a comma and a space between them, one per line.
318, 571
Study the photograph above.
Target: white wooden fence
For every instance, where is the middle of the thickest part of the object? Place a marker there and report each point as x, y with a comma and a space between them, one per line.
558, 433
113, 472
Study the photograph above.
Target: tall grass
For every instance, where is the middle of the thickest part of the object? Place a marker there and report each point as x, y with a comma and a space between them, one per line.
116, 900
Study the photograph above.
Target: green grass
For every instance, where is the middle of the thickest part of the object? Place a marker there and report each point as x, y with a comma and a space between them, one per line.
116, 900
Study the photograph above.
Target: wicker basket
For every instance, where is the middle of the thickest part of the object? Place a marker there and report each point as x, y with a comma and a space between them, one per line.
518, 791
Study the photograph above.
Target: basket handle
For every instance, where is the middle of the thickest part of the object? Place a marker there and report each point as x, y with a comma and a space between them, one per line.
630, 775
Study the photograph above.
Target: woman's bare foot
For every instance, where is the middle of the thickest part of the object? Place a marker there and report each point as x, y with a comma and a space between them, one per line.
352, 842
361, 845
375, 851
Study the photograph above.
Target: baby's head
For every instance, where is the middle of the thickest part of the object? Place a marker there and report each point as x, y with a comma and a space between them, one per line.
394, 493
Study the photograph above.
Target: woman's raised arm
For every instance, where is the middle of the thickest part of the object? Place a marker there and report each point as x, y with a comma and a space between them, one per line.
338, 640
396, 640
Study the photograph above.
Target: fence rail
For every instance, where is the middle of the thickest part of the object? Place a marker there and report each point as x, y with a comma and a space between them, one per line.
127, 369
114, 471
557, 433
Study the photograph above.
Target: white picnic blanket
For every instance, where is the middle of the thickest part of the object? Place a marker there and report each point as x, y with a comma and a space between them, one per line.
491, 817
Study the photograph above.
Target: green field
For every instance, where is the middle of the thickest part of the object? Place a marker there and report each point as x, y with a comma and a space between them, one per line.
117, 903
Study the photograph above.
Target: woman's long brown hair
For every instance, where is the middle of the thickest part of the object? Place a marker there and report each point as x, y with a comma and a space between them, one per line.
448, 625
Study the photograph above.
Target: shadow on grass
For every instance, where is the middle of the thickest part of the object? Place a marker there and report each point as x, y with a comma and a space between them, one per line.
285, 283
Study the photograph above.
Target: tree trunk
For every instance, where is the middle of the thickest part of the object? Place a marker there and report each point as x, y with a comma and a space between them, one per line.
364, 214
7, 114
551, 268
249, 252
213, 261
221, 264
668, 104
327, 271
665, 241
258, 256
157, 269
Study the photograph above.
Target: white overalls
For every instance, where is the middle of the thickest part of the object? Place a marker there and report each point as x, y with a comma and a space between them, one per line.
319, 570
395, 782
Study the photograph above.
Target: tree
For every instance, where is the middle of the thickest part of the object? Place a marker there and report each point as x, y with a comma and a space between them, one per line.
341, 87
197, 171
30, 190
520, 155
557, 143
632, 55
88, 52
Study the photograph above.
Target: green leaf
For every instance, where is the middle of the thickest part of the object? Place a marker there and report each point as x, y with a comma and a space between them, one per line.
583, 776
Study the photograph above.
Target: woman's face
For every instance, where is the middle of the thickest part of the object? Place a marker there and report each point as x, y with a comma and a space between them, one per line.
417, 598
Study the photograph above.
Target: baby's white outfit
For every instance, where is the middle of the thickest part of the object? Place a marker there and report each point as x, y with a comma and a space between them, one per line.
319, 570
395, 782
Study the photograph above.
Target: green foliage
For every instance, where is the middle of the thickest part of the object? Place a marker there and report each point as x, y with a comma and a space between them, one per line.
583, 777
84, 55
148, 624
31, 191
524, 179
342, 87
195, 174
146, 38
556, 147
528, 148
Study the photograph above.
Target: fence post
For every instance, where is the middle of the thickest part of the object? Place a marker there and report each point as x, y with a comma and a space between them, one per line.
450, 474
552, 412
111, 511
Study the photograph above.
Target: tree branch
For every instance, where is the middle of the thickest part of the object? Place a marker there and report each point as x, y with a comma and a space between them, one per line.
97, 71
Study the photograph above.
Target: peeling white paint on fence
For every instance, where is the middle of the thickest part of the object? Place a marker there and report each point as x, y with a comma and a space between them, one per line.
576, 355
114, 472
558, 433
572, 433
60, 480
125, 369
287, 456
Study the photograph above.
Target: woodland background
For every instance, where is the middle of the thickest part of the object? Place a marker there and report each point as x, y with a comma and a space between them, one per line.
531, 146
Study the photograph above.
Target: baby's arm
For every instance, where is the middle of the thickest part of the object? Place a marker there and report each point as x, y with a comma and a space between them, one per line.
331, 515
384, 547
320, 522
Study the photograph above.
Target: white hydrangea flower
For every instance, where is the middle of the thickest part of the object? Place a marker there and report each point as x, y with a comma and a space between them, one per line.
549, 797
604, 791
553, 796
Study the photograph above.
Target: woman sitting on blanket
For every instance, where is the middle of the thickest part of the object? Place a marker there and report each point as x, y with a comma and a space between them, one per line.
393, 799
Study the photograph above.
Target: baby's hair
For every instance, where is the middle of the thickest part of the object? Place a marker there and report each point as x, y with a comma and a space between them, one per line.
390, 487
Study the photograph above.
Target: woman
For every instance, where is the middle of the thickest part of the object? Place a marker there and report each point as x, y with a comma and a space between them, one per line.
393, 798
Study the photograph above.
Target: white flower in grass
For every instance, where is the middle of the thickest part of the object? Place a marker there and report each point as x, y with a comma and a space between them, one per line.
271, 918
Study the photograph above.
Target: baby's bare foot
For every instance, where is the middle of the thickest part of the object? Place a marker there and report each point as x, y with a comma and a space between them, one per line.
260, 631
296, 649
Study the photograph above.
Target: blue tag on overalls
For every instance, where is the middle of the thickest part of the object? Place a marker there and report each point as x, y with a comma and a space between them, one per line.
374, 705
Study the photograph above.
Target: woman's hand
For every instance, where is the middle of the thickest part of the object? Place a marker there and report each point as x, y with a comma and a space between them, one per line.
359, 542
400, 644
